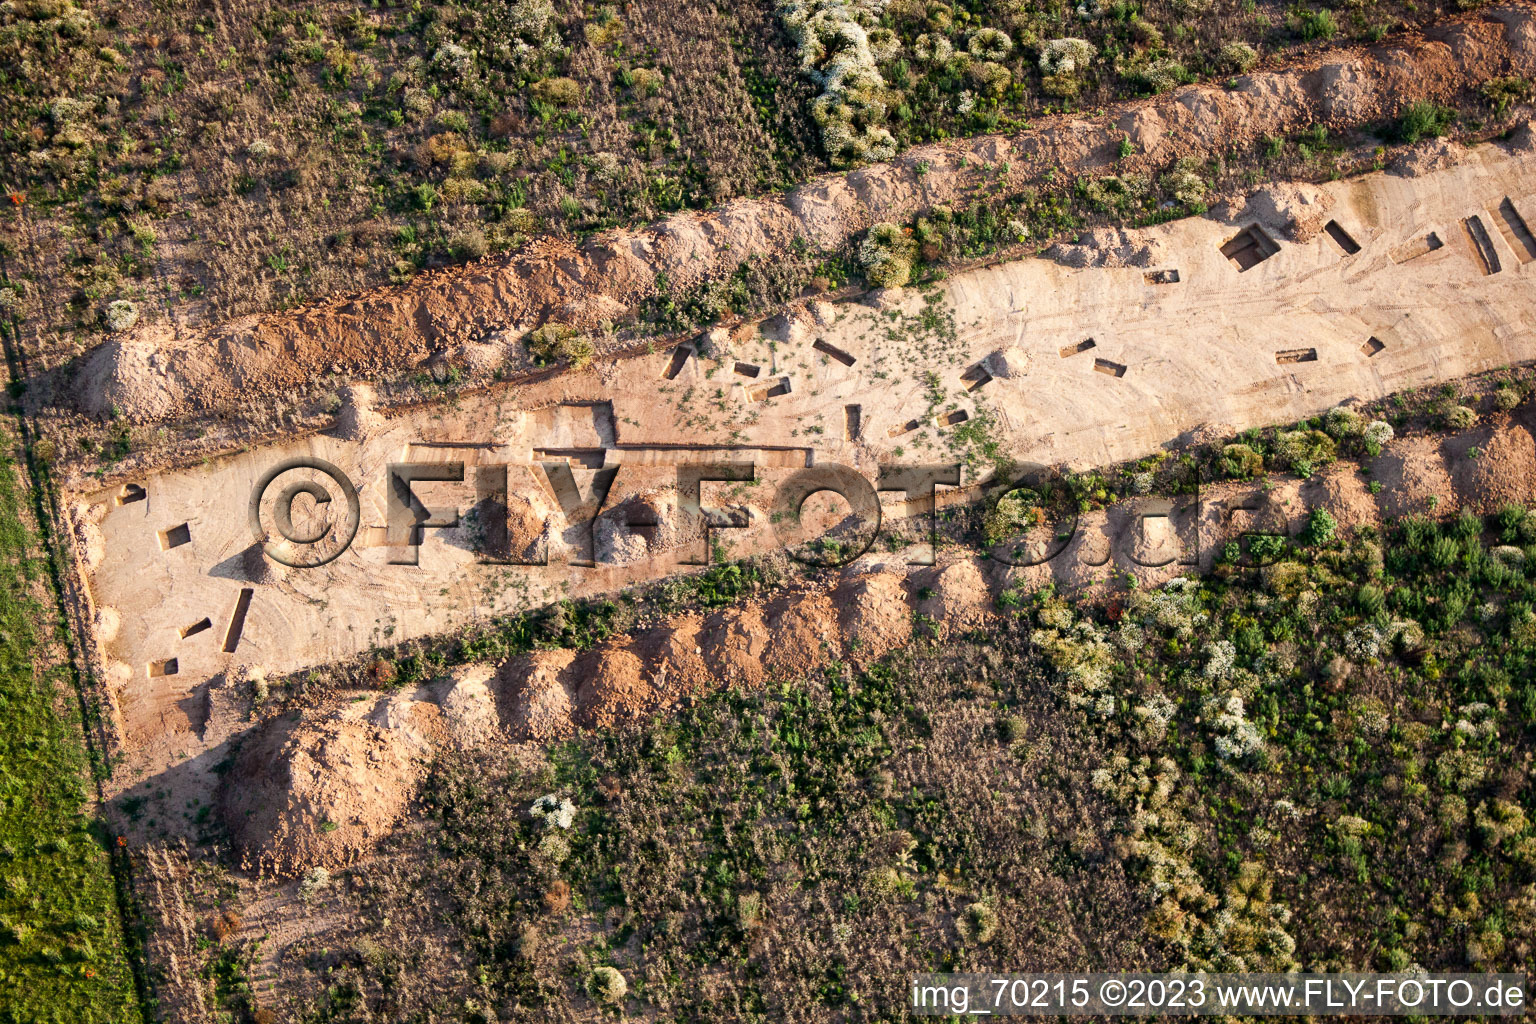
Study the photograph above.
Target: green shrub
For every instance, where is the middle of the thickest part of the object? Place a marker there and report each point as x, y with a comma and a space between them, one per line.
1321, 528
607, 985
1460, 417
886, 254
1506, 398
559, 92
1423, 119
1501, 93
1316, 25
1240, 462
554, 342
1236, 58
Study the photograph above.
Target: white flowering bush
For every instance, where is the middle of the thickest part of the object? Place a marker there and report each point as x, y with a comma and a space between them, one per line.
553, 811
989, 44
122, 314
1069, 56
933, 49
1236, 737
833, 40
453, 62
1174, 607
1220, 657
1150, 719
1363, 643
1378, 432
1084, 662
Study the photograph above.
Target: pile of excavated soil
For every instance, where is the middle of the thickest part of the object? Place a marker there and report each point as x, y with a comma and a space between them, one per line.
315, 794
735, 641
959, 600
469, 706
873, 615
674, 662
802, 630
537, 695
611, 686
1344, 493
1413, 478
1494, 466
498, 299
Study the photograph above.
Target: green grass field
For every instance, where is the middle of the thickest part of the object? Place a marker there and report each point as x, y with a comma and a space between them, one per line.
62, 955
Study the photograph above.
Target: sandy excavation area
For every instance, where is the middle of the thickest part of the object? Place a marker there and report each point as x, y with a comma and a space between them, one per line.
1278, 309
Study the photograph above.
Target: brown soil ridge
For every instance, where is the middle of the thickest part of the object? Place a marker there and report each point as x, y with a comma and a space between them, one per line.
156, 375
322, 793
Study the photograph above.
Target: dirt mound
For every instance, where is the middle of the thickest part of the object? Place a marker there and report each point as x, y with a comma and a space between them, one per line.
536, 694
872, 614
303, 795
527, 527
418, 723
1494, 466
90, 545
674, 662
1428, 157
734, 642
1413, 478
399, 328
130, 377
357, 418
803, 634
1295, 211
1108, 247
258, 568
469, 706
958, 598
611, 685
1343, 492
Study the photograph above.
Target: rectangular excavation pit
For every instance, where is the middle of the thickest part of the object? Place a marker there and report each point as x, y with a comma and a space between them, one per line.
1416, 248
168, 667
833, 352
1082, 346
1296, 355
950, 419
1372, 346
1113, 369
131, 493
1169, 276
1482, 245
1341, 238
853, 417
678, 361
763, 392
976, 377
196, 628
237, 620
1248, 248
748, 370
905, 428
175, 537
1515, 231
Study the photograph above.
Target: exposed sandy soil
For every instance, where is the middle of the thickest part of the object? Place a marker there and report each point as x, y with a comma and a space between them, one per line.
1502, 472
307, 794
150, 376
322, 792
872, 614
1413, 477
